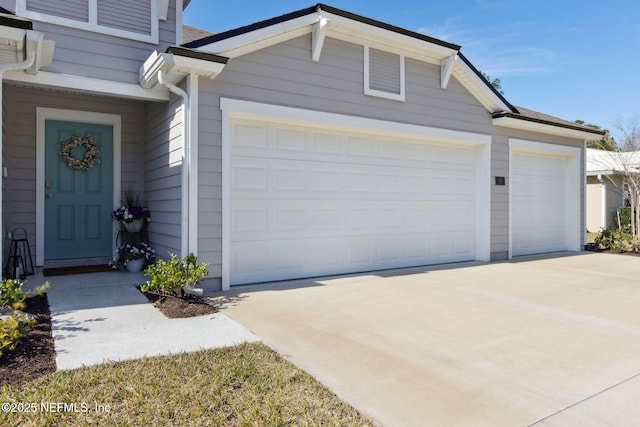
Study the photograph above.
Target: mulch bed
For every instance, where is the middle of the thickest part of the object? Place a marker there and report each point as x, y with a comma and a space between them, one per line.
35, 354
179, 308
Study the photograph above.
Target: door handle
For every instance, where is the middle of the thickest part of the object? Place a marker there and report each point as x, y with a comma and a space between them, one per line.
48, 184
48, 195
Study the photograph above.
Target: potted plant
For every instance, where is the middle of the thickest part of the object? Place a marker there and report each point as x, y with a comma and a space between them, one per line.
132, 215
133, 257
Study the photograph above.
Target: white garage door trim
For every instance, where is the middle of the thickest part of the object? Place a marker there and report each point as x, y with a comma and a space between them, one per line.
574, 184
239, 109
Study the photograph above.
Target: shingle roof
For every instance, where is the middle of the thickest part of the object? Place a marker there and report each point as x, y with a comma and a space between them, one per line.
190, 34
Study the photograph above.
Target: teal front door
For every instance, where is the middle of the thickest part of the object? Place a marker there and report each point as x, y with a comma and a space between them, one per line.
78, 190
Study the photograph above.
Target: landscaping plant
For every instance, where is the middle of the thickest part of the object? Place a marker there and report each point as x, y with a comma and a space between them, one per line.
618, 240
12, 319
174, 276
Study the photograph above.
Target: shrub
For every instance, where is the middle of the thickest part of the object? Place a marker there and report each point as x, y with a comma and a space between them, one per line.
11, 329
13, 321
174, 276
11, 294
625, 217
615, 240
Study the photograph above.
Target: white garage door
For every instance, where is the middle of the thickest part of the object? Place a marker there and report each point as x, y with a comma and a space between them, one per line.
539, 203
309, 201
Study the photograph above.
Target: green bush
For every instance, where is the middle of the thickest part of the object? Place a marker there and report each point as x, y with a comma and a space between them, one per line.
625, 217
13, 321
11, 294
172, 277
615, 240
11, 329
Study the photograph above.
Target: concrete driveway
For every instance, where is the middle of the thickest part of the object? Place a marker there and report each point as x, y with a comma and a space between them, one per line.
550, 341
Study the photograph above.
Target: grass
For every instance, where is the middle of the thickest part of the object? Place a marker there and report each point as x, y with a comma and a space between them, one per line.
245, 385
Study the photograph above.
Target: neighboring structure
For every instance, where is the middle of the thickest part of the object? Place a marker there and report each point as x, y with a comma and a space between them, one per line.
317, 142
606, 190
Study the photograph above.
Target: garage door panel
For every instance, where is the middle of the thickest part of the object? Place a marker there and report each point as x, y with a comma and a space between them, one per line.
319, 202
539, 219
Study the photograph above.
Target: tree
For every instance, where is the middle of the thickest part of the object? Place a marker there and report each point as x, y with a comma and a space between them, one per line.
625, 160
495, 83
605, 143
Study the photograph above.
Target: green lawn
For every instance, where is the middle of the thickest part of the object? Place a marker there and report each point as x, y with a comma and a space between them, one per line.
244, 385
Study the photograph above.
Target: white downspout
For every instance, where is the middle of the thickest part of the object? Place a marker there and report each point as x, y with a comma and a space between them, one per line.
186, 143
603, 201
27, 63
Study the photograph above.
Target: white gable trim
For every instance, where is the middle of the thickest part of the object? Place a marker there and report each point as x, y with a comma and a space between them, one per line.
322, 24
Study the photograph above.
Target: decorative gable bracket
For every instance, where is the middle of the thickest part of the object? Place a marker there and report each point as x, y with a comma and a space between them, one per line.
317, 41
446, 69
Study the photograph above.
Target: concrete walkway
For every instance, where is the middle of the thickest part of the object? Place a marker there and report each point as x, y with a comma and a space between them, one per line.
102, 317
553, 341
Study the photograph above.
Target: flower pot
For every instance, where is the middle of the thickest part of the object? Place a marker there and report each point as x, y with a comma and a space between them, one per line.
134, 226
135, 265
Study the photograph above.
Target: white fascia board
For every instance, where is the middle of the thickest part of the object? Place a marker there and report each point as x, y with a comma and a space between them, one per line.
478, 88
512, 123
349, 27
87, 85
261, 38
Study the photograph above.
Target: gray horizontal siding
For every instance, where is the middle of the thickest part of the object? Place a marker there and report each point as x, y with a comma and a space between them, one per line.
285, 75
162, 175
19, 129
102, 56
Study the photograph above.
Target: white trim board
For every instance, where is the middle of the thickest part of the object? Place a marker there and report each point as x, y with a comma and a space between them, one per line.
89, 85
43, 114
233, 108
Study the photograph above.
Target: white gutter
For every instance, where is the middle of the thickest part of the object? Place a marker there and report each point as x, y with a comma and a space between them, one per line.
27, 63
186, 144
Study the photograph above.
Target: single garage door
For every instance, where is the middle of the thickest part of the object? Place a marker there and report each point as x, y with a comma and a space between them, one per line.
538, 203
309, 201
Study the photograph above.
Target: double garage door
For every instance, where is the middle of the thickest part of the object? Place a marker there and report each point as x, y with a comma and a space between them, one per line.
309, 201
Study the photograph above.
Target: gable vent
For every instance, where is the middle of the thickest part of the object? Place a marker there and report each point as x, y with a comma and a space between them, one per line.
129, 16
72, 9
384, 74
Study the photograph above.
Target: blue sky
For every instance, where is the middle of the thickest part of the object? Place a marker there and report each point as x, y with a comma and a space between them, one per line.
568, 58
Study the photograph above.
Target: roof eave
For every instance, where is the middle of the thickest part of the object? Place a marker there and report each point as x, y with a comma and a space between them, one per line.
514, 121
176, 63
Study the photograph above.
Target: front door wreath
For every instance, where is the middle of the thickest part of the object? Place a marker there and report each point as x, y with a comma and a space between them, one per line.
91, 154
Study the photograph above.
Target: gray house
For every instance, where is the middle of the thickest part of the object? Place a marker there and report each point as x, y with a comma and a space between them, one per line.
314, 143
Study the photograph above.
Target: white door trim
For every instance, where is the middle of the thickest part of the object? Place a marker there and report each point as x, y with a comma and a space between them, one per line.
43, 114
573, 197
233, 108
